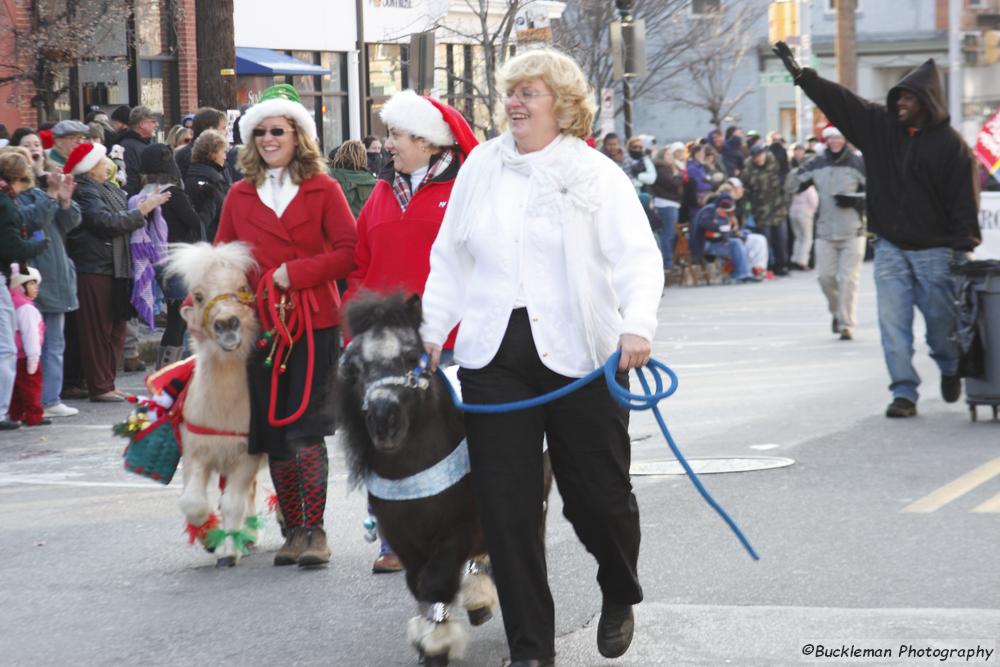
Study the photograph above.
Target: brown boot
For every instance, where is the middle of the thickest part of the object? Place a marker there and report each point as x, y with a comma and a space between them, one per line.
295, 544
386, 563
317, 553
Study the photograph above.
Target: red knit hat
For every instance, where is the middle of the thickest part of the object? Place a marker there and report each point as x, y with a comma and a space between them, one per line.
83, 158
47, 140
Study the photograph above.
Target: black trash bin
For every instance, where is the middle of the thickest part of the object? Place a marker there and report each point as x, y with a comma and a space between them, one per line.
979, 333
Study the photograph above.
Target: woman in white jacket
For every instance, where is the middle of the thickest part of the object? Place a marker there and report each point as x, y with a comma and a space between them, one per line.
546, 258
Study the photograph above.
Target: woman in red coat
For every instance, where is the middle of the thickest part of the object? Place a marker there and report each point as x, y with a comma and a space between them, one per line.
297, 223
428, 141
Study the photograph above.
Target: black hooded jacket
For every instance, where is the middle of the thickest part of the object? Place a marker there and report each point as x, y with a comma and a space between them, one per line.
922, 189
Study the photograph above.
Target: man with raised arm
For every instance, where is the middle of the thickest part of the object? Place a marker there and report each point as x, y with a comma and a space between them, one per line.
922, 202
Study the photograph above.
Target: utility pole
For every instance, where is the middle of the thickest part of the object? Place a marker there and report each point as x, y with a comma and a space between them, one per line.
628, 49
803, 104
625, 10
846, 44
955, 63
363, 67
216, 44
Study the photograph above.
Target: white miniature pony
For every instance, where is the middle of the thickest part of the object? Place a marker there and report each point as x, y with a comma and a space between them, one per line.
216, 411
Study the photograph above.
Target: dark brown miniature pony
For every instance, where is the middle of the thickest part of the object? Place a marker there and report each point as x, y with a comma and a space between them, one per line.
405, 440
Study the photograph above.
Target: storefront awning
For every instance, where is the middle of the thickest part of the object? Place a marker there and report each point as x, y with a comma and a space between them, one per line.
267, 62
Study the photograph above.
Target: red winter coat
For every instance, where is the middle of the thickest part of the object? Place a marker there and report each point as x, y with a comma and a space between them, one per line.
394, 247
315, 237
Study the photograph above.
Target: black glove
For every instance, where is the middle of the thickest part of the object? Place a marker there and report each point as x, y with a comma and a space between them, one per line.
781, 50
36, 248
845, 201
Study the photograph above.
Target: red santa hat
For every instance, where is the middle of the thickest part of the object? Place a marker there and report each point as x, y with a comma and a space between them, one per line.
84, 158
434, 121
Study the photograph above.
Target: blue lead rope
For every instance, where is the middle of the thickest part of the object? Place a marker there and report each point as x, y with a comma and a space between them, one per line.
645, 401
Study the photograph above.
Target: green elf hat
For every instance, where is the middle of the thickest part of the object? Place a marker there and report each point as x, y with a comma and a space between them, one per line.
279, 100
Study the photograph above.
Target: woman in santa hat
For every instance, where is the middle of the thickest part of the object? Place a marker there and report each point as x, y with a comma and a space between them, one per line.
299, 226
428, 142
99, 248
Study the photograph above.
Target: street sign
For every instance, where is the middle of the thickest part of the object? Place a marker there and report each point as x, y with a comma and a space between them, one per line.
776, 79
988, 144
534, 36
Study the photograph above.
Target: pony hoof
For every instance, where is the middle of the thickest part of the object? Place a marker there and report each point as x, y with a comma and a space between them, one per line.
479, 616
226, 561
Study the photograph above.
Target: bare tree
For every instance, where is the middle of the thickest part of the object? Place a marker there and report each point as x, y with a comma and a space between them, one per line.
583, 33
490, 31
216, 51
712, 62
64, 34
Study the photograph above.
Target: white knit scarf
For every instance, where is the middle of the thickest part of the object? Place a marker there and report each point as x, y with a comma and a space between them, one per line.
562, 186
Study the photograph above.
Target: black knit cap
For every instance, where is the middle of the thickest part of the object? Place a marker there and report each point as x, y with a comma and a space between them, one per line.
159, 159
121, 114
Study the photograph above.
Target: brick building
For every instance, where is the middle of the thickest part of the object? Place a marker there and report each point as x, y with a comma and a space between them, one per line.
143, 53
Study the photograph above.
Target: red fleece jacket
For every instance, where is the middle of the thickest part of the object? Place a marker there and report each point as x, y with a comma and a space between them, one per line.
394, 247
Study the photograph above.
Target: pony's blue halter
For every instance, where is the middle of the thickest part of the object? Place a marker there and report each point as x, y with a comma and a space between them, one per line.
645, 401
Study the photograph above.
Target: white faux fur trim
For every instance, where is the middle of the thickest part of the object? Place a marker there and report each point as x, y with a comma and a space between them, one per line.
277, 107
447, 638
90, 160
414, 115
479, 591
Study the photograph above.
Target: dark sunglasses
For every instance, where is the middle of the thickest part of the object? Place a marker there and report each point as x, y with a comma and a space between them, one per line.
274, 131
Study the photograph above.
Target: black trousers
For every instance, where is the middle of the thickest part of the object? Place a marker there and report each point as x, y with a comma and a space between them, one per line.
590, 452
777, 245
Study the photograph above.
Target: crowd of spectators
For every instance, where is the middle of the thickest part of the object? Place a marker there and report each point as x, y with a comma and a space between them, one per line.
87, 210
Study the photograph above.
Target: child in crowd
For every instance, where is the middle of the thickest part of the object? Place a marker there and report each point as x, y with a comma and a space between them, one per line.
26, 403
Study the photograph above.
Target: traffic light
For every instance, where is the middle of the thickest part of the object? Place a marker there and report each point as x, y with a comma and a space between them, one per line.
782, 20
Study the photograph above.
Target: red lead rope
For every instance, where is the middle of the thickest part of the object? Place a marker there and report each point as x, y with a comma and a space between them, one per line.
286, 317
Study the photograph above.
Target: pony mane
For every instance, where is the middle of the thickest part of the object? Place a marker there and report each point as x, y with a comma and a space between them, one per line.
370, 309
192, 260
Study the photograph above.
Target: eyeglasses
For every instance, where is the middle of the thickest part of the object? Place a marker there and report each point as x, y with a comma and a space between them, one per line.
526, 96
274, 131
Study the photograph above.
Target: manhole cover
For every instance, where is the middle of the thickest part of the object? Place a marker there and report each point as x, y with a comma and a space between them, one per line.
708, 466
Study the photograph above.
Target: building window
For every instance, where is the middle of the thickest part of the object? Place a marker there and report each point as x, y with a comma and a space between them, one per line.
324, 95
386, 74
156, 52
705, 7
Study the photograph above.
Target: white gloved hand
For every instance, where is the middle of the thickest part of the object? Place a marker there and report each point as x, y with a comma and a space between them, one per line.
32, 365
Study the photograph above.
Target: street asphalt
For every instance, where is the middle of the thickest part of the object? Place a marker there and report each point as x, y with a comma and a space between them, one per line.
881, 533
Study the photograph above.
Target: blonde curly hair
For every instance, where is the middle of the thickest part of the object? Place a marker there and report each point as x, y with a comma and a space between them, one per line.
574, 98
